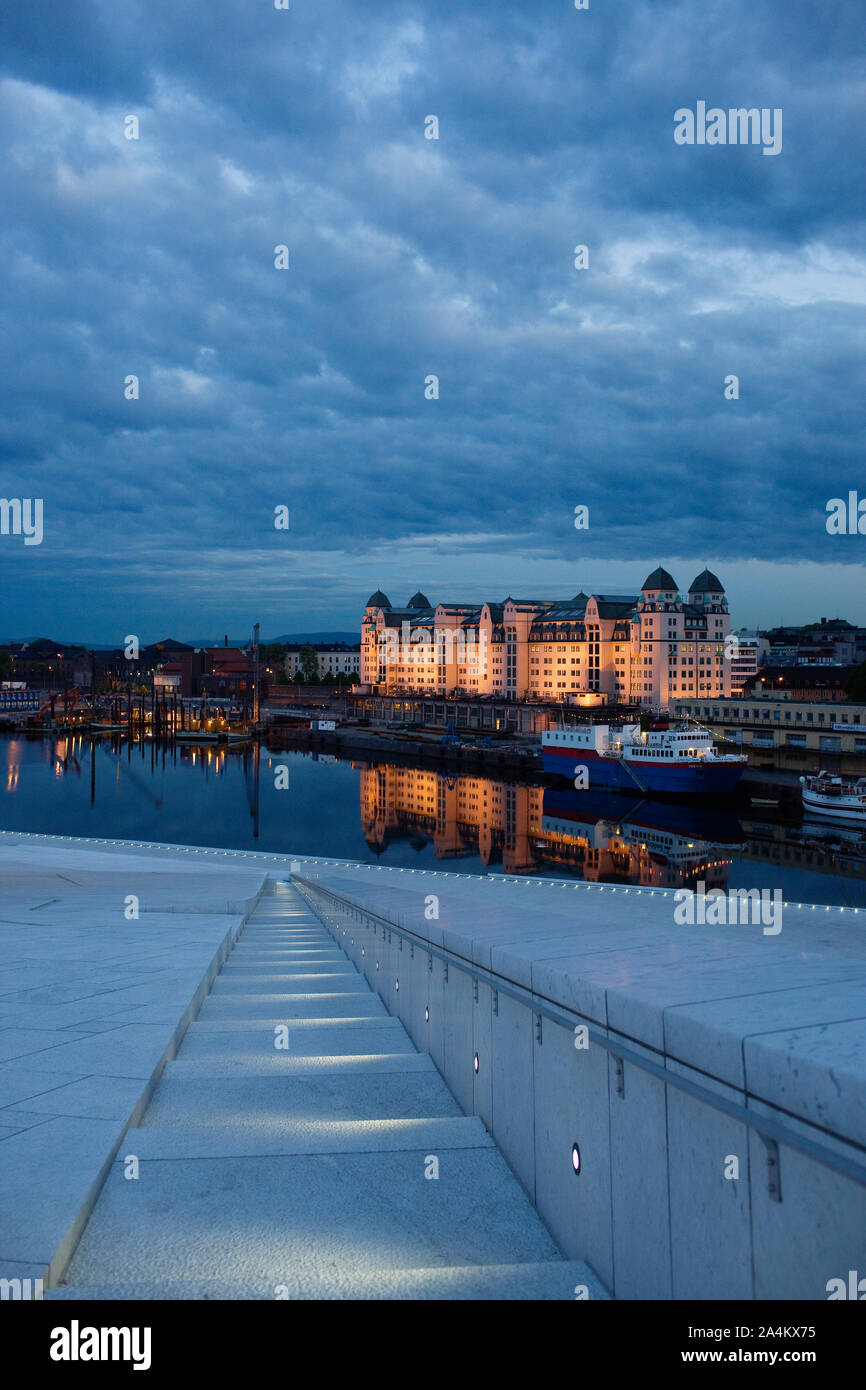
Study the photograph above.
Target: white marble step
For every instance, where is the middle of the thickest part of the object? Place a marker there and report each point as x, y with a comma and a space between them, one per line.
268, 1217
298, 982
287, 1008
257, 928
188, 1095
279, 1064
253, 1038
253, 1134
550, 1280
316, 964
273, 946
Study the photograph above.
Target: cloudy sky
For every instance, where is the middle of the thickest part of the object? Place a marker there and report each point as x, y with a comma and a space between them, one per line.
409, 257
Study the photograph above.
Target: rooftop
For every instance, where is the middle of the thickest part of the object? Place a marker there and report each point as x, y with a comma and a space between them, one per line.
659, 579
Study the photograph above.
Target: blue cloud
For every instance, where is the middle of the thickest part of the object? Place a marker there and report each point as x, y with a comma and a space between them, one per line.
411, 257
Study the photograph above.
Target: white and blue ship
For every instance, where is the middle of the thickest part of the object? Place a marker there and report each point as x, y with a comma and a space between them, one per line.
677, 761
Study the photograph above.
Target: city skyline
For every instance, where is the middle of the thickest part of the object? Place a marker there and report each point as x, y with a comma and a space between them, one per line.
829, 598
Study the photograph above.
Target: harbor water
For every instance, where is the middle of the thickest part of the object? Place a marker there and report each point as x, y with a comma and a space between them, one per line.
415, 816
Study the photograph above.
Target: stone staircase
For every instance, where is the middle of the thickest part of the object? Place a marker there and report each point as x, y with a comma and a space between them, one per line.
301, 1147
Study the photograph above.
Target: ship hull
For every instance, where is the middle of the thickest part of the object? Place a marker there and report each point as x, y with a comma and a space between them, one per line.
834, 808
660, 776
704, 822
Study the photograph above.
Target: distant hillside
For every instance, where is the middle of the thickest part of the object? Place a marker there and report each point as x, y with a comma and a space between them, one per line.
352, 637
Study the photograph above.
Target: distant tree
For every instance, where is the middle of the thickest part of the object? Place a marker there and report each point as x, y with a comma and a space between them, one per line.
7, 666
298, 677
328, 678
309, 664
272, 651
855, 686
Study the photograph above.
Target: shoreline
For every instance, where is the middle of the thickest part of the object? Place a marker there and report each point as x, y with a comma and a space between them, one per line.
512, 758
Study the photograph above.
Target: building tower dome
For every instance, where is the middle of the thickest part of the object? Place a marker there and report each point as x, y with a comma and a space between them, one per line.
418, 600
378, 600
659, 579
706, 583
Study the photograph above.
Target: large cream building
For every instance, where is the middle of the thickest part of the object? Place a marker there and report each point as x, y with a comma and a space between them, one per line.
638, 649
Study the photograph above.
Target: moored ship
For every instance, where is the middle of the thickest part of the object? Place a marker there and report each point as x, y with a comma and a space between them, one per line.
839, 798
679, 761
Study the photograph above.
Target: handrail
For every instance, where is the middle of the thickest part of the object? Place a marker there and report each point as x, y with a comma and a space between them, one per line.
770, 1131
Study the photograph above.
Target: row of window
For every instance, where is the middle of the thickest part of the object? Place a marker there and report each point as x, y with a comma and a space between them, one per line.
828, 743
758, 715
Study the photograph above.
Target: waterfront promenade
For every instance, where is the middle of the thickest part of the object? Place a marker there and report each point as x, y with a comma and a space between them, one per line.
336, 1166
701, 1135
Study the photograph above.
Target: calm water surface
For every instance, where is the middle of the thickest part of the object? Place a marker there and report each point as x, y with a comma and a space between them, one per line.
412, 817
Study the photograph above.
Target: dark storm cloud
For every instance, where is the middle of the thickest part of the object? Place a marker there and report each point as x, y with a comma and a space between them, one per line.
411, 257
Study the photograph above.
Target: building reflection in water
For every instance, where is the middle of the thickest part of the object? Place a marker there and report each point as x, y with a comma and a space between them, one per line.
596, 836
524, 829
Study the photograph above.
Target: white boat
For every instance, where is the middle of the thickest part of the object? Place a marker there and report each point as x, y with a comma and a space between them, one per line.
840, 798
